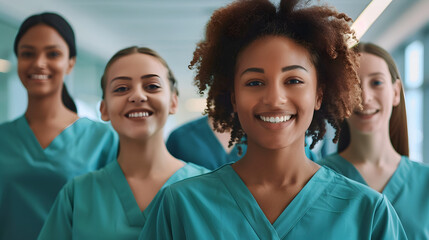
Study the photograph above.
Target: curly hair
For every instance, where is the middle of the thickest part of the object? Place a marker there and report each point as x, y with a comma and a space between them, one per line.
320, 29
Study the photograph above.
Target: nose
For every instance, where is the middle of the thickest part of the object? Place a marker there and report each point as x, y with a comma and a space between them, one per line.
274, 95
367, 95
40, 61
137, 95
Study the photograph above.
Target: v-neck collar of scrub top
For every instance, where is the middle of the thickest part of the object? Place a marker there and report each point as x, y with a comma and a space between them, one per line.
290, 216
59, 142
396, 182
134, 215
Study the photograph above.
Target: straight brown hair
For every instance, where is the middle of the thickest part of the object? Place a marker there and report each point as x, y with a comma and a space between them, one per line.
398, 129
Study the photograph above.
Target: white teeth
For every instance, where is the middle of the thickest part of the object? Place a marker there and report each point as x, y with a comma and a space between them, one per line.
368, 111
275, 119
138, 114
39, 76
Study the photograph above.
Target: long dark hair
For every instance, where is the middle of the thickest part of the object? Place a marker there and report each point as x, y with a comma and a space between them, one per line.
398, 130
66, 32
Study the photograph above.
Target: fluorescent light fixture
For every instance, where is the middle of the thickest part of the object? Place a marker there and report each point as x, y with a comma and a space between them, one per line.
4, 66
368, 16
195, 104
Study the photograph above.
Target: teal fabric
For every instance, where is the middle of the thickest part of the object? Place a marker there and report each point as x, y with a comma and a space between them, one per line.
101, 205
218, 205
195, 142
31, 177
407, 190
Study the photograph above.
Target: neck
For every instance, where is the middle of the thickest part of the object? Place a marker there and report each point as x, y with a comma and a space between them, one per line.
144, 158
373, 148
280, 166
44, 109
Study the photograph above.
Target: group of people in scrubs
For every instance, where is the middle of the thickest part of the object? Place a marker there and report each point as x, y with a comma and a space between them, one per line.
275, 75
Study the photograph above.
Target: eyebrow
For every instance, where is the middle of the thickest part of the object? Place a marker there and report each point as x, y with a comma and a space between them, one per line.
48, 47
285, 69
376, 73
129, 79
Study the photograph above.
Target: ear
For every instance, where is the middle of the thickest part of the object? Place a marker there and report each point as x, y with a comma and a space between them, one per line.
71, 63
319, 97
397, 86
234, 107
174, 104
103, 111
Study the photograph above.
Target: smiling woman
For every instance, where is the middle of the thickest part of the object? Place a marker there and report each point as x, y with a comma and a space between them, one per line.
273, 74
139, 93
373, 148
47, 146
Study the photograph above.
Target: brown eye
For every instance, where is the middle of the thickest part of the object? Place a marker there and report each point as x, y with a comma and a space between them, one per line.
26, 54
120, 89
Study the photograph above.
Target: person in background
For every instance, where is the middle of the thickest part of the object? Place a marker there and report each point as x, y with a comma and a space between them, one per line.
275, 74
373, 147
139, 93
48, 145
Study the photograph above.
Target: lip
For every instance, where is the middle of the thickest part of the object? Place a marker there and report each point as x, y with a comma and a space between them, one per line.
366, 113
39, 76
275, 120
138, 114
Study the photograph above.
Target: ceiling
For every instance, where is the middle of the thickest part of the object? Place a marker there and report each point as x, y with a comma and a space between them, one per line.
171, 27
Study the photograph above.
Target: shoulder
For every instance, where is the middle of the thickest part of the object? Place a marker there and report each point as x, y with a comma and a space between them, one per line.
95, 125
345, 188
193, 169
9, 126
190, 126
89, 181
330, 161
202, 182
417, 169
95, 128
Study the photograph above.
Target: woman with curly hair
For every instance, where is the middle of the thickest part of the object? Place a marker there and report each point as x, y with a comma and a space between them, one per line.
373, 146
274, 74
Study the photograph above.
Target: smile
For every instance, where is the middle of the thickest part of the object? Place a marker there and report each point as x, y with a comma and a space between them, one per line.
277, 119
39, 76
138, 114
367, 112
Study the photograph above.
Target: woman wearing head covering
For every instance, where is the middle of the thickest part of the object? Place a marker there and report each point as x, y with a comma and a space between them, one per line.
41, 150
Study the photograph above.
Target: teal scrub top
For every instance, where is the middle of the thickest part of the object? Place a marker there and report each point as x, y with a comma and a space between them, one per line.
218, 205
196, 142
407, 190
31, 177
101, 205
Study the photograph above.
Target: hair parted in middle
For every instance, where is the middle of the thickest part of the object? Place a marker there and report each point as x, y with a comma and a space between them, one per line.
320, 29
143, 50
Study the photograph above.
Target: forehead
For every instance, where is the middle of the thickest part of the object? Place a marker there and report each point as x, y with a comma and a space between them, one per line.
370, 63
42, 35
272, 51
137, 64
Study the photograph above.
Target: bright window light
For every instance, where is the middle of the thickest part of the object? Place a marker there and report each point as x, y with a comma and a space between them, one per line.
414, 105
414, 65
4, 66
